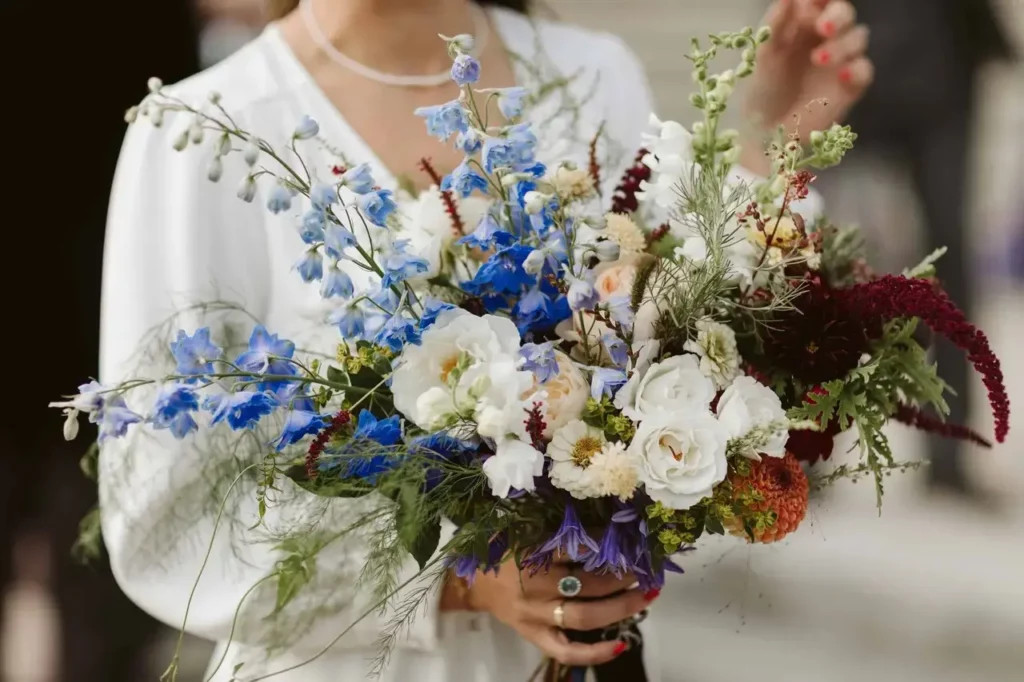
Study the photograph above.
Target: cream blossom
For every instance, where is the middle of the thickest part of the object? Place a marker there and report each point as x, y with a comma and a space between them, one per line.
572, 184
748, 405
680, 457
429, 229
613, 472
513, 465
624, 231
572, 449
673, 386
562, 397
715, 345
487, 386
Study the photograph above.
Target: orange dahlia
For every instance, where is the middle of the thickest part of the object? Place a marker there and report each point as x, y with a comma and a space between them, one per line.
776, 487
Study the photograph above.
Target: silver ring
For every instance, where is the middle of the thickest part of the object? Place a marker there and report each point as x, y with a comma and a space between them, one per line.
559, 616
570, 586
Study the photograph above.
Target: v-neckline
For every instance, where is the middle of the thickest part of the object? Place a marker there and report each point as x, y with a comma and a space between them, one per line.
504, 23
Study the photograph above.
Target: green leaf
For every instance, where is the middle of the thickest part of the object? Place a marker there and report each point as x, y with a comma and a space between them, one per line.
419, 532
337, 376
713, 524
328, 486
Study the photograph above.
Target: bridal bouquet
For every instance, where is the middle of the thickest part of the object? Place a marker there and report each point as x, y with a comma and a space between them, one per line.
571, 376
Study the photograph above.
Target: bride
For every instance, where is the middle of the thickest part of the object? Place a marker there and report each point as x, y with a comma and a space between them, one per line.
360, 68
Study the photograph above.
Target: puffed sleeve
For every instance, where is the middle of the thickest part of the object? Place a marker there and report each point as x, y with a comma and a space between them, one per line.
182, 253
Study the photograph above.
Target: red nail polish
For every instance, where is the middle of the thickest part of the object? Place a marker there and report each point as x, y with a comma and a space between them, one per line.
823, 57
651, 595
620, 648
828, 29
845, 75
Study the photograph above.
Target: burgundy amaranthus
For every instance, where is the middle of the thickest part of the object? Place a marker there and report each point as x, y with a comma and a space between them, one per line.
535, 426
594, 168
624, 199
316, 448
919, 420
449, 202
891, 297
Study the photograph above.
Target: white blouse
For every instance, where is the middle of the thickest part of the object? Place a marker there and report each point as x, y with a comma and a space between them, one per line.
177, 242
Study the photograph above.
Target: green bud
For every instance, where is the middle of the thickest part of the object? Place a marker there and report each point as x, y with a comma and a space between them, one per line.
697, 100
749, 55
699, 128
763, 35
740, 42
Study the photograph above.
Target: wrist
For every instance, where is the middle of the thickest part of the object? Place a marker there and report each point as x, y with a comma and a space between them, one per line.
455, 594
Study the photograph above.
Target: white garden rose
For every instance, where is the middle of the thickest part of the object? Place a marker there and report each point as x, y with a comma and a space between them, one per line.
490, 389
680, 457
748, 405
675, 385
715, 345
429, 229
513, 465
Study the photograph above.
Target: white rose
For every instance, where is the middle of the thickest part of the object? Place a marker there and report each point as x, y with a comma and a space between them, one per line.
748, 404
674, 386
563, 397
680, 457
429, 228
488, 348
514, 465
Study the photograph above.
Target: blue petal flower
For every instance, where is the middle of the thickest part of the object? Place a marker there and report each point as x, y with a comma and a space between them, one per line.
338, 238
399, 266
299, 424
498, 154
384, 432
465, 70
611, 557
464, 180
617, 349
114, 418
582, 294
306, 129
444, 120
322, 196
336, 282
606, 382
310, 266
511, 101
194, 354
377, 206
396, 333
503, 273
242, 410
487, 235
267, 354
540, 359
350, 321
358, 179
570, 538
311, 229
280, 199
621, 311
172, 410
431, 309
469, 141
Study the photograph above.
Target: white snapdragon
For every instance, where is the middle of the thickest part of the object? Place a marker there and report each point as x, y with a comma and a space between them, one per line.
513, 465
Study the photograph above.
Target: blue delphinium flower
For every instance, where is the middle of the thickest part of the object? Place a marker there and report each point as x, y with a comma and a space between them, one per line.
114, 418
464, 180
267, 354
465, 70
172, 409
612, 555
301, 422
606, 382
621, 311
377, 206
498, 153
350, 321
338, 238
570, 538
503, 273
617, 349
280, 199
431, 309
396, 333
311, 265
311, 228
306, 129
582, 294
440, 446
444, 120
241, 410
511, 101
383, 432
487, 235
336, 282
358, 179
540, 359
469, 141
322, 196
194, 354
467, 566
399, 266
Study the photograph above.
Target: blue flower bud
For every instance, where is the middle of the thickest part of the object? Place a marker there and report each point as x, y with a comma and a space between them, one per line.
322, 195
465, 70
310, 266
306, 129
280, 199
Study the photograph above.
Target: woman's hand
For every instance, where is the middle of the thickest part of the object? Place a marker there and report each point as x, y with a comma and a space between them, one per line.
816, 54
527, 604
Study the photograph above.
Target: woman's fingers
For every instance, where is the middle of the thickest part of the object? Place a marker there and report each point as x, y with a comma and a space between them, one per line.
594, 585
835, 19
587, 615
843, 48
555, 644
858, 74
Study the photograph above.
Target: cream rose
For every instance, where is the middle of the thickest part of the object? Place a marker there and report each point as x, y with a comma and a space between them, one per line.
563, 396
673, 386
680, 457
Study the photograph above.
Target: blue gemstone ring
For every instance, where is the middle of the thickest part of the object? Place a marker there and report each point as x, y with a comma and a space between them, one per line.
570, 586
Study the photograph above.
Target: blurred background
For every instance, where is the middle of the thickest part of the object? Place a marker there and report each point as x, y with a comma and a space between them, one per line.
929, 592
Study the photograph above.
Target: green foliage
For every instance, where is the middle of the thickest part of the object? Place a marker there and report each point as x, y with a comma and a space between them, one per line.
897, 371
88, 545
603, 415
419, 528
842, 250
297, 567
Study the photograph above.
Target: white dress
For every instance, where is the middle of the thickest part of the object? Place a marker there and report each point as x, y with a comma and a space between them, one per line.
175, 239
